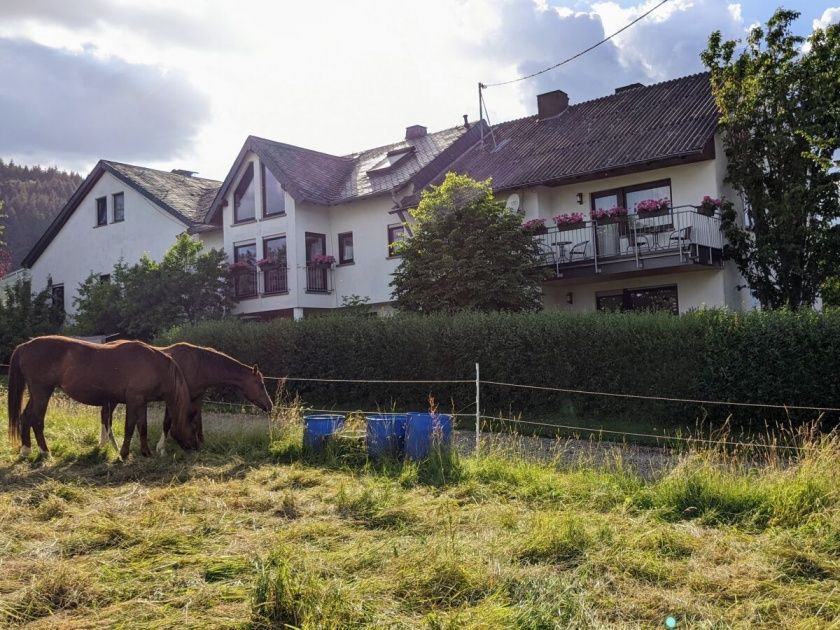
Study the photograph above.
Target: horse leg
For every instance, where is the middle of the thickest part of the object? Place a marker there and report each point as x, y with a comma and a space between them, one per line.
143, 431
198, 420
130, 421
167, 424
25, 437
38, 399
106, 433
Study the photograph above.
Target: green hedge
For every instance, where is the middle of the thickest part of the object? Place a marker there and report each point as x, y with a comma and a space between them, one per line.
778, 357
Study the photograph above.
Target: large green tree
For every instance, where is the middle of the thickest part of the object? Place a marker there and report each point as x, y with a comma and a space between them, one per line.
189, 285
24, 315
779, 100
468, 252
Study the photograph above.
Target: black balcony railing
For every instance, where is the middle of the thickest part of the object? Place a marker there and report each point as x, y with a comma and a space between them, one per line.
245, 284
681, 235
275, 280
318, 278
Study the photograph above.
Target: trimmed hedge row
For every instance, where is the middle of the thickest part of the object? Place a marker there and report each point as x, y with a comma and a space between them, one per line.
767, 357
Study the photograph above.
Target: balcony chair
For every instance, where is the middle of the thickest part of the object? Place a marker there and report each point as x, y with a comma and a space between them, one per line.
549, 257
681, 238
578, 249
638, 242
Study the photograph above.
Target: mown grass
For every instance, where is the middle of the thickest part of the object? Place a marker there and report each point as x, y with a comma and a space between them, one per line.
252, 532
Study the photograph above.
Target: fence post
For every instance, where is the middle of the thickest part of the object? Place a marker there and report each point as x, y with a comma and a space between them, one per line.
477, 408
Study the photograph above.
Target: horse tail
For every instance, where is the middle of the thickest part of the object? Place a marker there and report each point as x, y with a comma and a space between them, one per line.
17, 384
181, 398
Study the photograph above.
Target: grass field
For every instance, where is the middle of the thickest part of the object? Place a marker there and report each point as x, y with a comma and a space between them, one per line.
250, 533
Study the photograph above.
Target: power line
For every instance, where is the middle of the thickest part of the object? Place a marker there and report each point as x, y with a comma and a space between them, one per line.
580, 54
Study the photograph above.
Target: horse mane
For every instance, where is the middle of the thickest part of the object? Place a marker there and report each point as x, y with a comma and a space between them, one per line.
211, 355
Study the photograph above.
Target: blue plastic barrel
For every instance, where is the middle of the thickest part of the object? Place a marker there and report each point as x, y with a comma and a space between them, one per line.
318, 429
425, 430
385, 434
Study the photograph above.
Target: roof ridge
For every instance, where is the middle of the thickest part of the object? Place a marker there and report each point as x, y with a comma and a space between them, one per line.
356, 154
297, 147
158, 170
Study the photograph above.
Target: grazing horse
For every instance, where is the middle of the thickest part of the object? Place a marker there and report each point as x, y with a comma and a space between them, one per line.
129, 372
202, 368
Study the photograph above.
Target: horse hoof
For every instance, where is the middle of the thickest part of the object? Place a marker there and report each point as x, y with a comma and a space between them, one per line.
25, 451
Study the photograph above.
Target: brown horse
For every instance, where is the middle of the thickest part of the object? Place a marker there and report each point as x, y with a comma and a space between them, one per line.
129, 372
202, 368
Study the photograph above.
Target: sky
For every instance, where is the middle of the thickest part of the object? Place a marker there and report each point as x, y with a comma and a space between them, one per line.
181, 85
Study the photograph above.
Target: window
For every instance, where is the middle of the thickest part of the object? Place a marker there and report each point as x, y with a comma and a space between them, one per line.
653, 299
245, 253
396, 233
119, 207
102, 211
274, 249
629, 196
317, 277
57, 295
273, 199
104, 278
345, 248
244, 205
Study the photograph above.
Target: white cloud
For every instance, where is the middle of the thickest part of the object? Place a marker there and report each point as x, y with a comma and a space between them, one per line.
735, 12
829, 17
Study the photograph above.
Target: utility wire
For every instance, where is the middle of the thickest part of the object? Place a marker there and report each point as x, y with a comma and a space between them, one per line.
580, 54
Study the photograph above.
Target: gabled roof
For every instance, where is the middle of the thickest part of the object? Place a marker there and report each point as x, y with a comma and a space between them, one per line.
185, 198
326, 179
635, 129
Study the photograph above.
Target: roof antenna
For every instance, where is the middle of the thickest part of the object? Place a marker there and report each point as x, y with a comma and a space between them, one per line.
482, 109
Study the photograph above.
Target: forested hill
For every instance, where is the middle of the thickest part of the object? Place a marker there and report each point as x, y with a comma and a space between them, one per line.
31, 197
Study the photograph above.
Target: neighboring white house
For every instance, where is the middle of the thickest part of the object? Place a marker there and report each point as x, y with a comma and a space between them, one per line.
282, 209
119, 212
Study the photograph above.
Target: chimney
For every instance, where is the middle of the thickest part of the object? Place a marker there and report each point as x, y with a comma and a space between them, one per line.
624, 88
552, 103
466, 121
415, 131
184, 172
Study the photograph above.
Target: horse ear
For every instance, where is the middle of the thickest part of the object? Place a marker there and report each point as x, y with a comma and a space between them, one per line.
256, 369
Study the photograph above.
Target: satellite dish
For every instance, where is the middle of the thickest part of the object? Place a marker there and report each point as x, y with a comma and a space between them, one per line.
513, 202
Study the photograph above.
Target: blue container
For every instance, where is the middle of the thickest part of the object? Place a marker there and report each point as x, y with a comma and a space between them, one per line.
385, 434
423, 431
317, 430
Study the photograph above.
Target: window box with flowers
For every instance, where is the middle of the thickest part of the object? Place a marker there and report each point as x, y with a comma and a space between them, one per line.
321, 260
709, 206
268, 262
653, 208
571, 221
241, 266
611, 215
535, 226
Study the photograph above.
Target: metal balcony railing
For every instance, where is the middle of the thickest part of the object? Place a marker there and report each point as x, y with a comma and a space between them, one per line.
245, 283
318, 278
682, 232
275, 280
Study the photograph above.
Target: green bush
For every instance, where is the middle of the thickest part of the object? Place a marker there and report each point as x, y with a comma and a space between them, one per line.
767, 357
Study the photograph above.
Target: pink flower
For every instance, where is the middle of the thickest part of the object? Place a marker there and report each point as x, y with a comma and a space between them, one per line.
568, 219
652, 205
533, 225
712, 202
322, 260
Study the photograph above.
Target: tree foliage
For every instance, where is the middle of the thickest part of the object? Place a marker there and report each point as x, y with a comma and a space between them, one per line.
24, 315
468, 252
780, 120
33, 196
189, 285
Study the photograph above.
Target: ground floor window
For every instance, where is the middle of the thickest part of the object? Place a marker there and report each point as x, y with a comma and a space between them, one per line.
57, 295
651, 299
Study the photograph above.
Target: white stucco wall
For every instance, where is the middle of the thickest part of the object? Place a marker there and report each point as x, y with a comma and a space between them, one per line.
212, 239
81, 248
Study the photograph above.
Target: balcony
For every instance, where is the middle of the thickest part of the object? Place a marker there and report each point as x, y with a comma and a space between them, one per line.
682, 237
318, 279
245, 283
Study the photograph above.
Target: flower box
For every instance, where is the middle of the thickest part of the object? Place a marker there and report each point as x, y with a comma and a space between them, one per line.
653, 208
241, 266
268, 263
612, 215
571, 221
535, 226
322, 261
709, 206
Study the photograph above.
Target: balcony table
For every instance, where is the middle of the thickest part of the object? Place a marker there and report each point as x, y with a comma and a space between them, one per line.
561, 249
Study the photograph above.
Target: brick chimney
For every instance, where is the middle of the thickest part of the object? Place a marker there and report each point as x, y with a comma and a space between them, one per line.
415, 131
551, 103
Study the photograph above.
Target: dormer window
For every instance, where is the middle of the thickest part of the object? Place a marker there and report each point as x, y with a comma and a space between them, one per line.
391, 160
244, 204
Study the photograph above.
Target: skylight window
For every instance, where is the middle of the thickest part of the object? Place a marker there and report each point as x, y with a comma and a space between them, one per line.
390, 160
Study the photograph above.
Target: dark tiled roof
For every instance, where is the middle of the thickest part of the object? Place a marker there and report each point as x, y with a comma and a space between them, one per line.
188, 198
330, 179
634, 128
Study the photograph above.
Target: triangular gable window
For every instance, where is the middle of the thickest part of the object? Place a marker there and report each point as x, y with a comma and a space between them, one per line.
244, 202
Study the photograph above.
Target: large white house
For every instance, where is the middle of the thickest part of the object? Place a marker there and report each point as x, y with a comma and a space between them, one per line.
282, 209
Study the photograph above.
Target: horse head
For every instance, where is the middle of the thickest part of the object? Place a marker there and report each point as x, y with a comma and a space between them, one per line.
253, 388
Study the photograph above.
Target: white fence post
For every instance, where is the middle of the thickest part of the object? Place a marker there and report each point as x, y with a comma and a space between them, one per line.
477, 408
